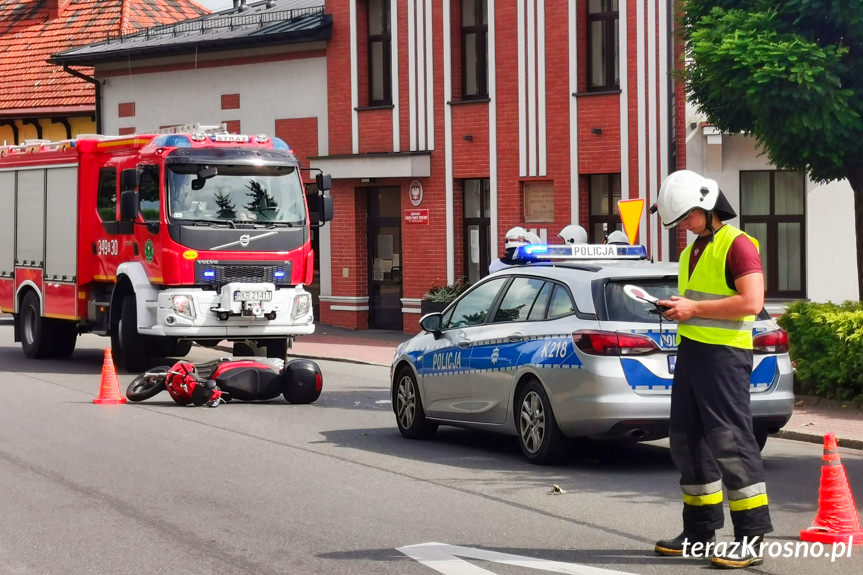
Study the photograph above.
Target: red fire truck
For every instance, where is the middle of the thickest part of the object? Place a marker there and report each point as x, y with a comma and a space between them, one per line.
157, 240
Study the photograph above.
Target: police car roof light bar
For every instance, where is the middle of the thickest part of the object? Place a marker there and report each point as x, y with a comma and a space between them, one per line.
564, 252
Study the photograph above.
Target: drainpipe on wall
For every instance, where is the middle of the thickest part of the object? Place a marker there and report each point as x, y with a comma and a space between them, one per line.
96, 82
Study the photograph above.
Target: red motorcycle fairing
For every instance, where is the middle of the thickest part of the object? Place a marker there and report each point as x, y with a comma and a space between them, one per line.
185, 386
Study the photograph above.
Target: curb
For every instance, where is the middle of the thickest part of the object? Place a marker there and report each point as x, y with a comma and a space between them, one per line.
818, 439
317, 357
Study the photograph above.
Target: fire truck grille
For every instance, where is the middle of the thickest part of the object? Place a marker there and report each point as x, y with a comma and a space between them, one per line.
222, 273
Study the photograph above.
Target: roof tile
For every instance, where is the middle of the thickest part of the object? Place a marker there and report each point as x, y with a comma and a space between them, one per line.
28, 38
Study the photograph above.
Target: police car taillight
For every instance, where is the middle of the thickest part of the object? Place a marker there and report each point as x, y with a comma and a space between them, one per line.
597, 342
774, 341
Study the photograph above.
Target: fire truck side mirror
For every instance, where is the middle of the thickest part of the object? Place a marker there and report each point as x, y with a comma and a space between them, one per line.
128, 205
324, 182
320, 209
129, 180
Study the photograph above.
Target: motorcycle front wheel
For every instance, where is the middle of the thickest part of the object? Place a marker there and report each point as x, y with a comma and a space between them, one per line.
148, 384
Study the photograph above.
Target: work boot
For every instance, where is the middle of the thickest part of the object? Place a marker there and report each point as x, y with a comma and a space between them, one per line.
743, 552
675, 546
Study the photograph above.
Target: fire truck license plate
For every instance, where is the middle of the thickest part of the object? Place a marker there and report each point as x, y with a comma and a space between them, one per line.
247, 295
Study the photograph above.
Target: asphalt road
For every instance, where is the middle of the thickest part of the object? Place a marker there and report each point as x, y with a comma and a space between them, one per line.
330, 488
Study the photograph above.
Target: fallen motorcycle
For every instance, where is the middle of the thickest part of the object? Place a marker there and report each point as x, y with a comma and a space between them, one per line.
226, 379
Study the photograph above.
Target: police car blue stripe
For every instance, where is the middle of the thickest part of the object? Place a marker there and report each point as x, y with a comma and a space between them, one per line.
766, 373
639, 377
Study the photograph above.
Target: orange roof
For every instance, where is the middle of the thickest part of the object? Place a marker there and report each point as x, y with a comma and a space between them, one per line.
29, 36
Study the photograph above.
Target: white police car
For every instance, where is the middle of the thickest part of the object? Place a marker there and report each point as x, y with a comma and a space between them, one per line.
556, 349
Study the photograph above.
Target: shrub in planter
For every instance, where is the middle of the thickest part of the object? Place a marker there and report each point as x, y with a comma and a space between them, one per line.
826, 345
439, 296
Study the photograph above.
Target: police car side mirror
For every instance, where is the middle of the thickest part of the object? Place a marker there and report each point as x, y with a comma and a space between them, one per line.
431, 322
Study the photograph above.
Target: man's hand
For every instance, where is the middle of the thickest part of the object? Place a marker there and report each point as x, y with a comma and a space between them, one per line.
748, 301
679, 308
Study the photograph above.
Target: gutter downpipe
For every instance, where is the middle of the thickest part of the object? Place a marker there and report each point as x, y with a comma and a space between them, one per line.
96, 82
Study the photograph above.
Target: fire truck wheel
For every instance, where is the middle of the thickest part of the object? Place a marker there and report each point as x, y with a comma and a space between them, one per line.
276, 347
64, 336
34, 338
133, 346
181, 348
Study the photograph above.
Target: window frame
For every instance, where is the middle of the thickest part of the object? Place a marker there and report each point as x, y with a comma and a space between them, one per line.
480, 45
609, 18
772, 221
384, 39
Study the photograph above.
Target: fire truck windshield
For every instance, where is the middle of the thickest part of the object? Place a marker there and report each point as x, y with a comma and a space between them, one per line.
235, 193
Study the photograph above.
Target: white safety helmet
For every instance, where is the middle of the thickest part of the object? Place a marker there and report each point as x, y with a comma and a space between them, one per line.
683, 191
533, 238
617, 237
515, 237
573, 234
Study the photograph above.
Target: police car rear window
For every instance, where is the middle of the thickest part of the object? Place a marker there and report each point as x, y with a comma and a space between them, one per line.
620, 307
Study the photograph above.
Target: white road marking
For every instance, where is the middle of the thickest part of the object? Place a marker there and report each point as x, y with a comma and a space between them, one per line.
447, 559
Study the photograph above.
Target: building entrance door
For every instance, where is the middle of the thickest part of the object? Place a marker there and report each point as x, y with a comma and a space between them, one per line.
385, 255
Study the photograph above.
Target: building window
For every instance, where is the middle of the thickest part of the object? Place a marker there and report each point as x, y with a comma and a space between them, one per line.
772, 210
477, 223
604, 191
380, 76
474, 49
603, 68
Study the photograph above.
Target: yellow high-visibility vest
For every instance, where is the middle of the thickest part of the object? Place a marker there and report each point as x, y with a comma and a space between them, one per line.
708, 283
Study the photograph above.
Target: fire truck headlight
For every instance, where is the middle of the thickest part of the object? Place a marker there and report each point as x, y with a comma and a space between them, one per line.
183, 305
302, 305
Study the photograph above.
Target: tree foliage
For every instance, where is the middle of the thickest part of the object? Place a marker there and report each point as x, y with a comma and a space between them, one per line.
790, 74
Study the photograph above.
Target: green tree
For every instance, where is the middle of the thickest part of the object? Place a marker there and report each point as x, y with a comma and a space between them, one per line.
790, 74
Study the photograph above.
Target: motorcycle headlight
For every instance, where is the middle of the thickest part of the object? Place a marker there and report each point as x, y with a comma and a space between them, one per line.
183, 305
302, 305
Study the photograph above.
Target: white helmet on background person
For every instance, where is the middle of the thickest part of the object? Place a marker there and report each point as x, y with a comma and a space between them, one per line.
573, 234
517, 236
533, 238
617, 237
683, 191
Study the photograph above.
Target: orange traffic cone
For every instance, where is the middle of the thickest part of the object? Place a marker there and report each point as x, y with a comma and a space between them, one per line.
109, 392
837, 519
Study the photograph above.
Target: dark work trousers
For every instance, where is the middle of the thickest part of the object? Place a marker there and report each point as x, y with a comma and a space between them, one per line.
711, 439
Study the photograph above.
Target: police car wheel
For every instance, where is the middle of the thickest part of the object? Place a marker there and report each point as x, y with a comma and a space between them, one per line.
540, 439
408, 407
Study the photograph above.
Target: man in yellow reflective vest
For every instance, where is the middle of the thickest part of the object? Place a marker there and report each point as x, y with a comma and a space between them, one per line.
712, 441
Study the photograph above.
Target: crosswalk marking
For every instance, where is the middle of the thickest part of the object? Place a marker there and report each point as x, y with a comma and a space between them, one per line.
447, 559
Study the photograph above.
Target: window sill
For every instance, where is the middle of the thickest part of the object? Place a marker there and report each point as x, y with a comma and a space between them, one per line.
610, 91
473, 101
377, 107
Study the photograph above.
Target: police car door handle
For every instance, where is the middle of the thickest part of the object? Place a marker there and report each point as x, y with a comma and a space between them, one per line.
514, 337
465, 343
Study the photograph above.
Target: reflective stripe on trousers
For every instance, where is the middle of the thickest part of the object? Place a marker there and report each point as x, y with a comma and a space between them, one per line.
712, 442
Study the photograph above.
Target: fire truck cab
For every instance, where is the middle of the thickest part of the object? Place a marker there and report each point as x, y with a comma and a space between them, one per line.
157, 240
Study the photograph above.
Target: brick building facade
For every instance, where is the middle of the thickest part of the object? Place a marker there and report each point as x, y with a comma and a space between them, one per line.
443, 123
553, 118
